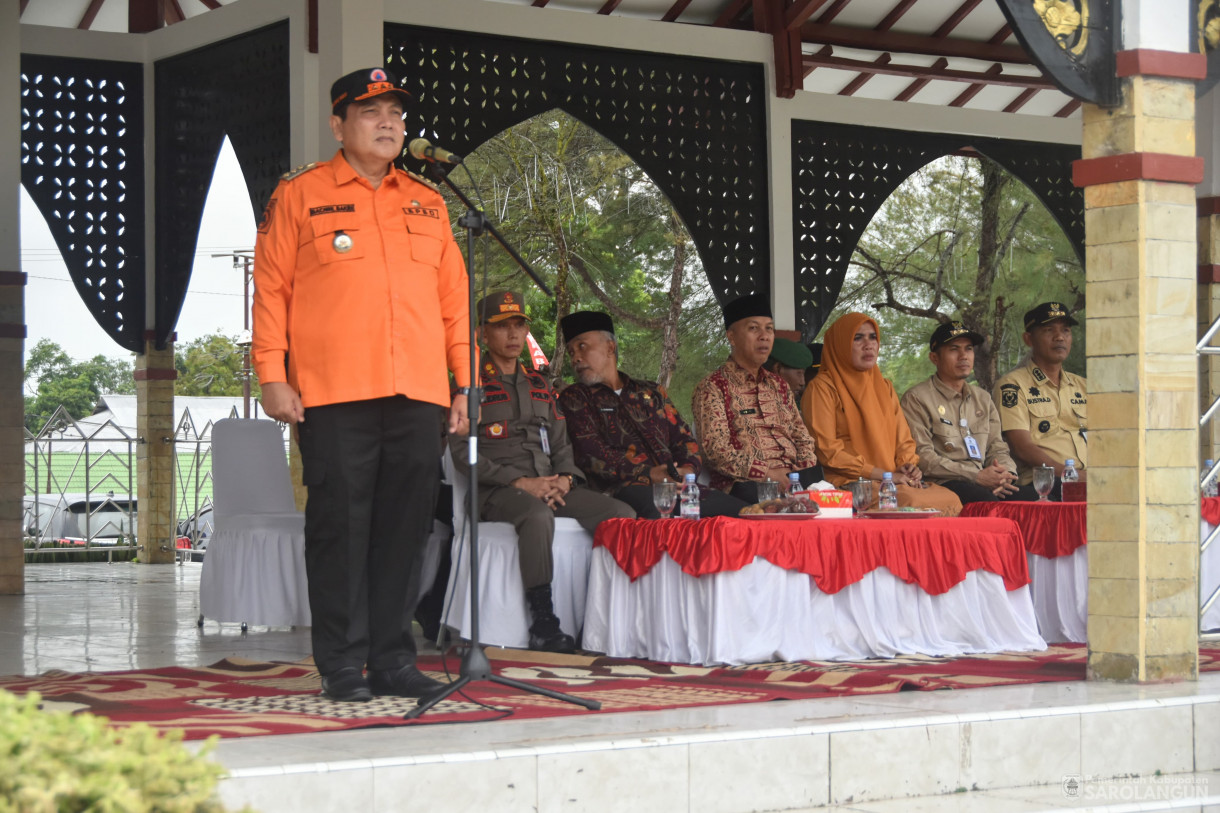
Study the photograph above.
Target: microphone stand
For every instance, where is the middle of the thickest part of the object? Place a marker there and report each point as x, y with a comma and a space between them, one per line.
475, 665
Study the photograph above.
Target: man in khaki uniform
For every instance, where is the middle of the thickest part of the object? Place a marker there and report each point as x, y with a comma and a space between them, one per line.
526, 469
955, 424
1043, 407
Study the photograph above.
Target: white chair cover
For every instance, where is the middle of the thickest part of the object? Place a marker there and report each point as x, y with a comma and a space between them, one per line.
1060, 588
254, 569
765, 613
503, 613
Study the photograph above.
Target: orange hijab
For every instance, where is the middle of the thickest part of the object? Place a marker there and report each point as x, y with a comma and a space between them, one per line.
872, 418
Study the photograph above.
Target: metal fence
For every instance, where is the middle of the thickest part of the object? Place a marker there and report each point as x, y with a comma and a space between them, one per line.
80, 489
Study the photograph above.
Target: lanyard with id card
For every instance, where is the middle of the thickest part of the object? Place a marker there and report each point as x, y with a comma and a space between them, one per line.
545, 438
972, 445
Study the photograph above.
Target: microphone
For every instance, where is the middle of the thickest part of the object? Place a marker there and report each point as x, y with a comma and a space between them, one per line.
422, 149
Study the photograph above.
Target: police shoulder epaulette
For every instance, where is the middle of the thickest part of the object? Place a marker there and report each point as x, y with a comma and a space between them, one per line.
422, 180
301, 170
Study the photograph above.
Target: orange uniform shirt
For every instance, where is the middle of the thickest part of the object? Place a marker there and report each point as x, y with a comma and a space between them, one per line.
386, 317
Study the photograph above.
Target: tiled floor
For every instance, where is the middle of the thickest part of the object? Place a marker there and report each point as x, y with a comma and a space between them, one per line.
100, 617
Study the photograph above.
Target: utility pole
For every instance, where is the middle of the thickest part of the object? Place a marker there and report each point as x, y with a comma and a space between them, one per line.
244, 260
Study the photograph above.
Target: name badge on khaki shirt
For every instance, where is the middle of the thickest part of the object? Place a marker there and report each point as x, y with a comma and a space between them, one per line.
972, 445
545, 438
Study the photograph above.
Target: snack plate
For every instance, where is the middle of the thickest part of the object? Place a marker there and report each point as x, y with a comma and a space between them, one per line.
910, 513
777, 516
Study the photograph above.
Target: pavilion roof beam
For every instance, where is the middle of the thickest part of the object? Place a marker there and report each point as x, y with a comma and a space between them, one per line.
796, 14
173, 12
732, 13
859, 81
1019, 102
956, 18
829, 14
870, 40
919, 84
895, 15
931, 72
609, 6
212, 5
675, 11
972, 91
88, 17
946, 28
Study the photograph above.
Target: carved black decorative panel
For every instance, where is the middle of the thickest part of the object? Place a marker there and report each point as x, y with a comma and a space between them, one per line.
239, 88
1205, 39
697, 127
1072, 41
844, 173
82, 128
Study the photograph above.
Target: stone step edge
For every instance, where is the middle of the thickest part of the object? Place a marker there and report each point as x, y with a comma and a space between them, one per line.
924, 718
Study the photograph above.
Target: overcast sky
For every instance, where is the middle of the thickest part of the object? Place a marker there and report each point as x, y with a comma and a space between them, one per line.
214, 299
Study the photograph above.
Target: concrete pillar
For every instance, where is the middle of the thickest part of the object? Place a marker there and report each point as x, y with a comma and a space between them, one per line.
1207, 121
1138, 172
12, 311
155, 375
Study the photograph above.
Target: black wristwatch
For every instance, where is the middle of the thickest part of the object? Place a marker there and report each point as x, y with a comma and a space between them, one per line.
462, 391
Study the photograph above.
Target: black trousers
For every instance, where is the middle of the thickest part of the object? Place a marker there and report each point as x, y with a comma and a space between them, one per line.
967, 491
712, 503
371, 470
747, 490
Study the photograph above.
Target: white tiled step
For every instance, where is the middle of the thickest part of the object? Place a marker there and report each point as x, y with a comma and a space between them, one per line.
916, 748
1178, 792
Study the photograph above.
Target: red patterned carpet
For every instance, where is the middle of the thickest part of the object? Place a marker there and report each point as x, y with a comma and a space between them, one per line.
237, 698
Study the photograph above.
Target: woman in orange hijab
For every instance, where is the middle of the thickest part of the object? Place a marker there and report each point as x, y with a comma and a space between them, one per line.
853, 414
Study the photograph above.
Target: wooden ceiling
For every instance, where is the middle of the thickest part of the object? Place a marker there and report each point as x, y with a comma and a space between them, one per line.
954, 53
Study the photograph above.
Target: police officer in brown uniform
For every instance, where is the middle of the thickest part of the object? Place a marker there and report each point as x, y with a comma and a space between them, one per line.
1043, 407
955, 424
527, 473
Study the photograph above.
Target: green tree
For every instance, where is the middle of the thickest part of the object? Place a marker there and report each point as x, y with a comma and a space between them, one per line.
602, 235
961, 239
53, 379
211, 365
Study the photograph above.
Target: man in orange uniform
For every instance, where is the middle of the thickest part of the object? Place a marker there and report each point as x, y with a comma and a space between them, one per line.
359, 307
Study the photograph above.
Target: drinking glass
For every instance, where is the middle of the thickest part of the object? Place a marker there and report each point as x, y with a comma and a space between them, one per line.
1044, 481
664, 495
861, 494
768, 490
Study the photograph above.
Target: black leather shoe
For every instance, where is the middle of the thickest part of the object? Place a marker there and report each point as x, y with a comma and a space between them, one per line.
405, 681
346, 685
546, 636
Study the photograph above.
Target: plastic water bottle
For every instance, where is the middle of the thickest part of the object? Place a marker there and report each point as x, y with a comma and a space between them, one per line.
1210, 488
689, 498
888, 500
794, 483
1070, 475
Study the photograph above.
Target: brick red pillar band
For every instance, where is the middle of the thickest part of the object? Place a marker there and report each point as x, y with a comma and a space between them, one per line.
1209, 274
12, 278
156, 374
1169, 64
1138, 166
12, 330
1208, 206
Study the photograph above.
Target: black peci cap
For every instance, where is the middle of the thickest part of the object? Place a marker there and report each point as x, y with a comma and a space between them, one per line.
580, 322
743, 307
